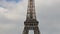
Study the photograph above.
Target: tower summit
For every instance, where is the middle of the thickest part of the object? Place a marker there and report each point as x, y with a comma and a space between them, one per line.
31, 22
31, 10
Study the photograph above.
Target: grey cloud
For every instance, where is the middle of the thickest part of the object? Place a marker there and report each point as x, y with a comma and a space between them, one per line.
49, 18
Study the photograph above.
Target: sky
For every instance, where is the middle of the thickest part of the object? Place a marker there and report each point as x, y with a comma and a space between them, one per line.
13, 15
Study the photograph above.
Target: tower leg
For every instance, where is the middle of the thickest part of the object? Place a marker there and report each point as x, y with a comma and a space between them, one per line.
36, 31
25, 31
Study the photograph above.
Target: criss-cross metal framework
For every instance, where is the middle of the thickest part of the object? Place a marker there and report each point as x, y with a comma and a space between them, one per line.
31, 23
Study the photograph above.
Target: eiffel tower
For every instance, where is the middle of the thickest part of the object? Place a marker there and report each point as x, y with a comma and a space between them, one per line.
31, 22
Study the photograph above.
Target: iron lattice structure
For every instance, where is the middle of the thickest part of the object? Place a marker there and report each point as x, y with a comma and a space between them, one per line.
31, 22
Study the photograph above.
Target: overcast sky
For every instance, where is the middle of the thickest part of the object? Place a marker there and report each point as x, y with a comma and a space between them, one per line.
13, 14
